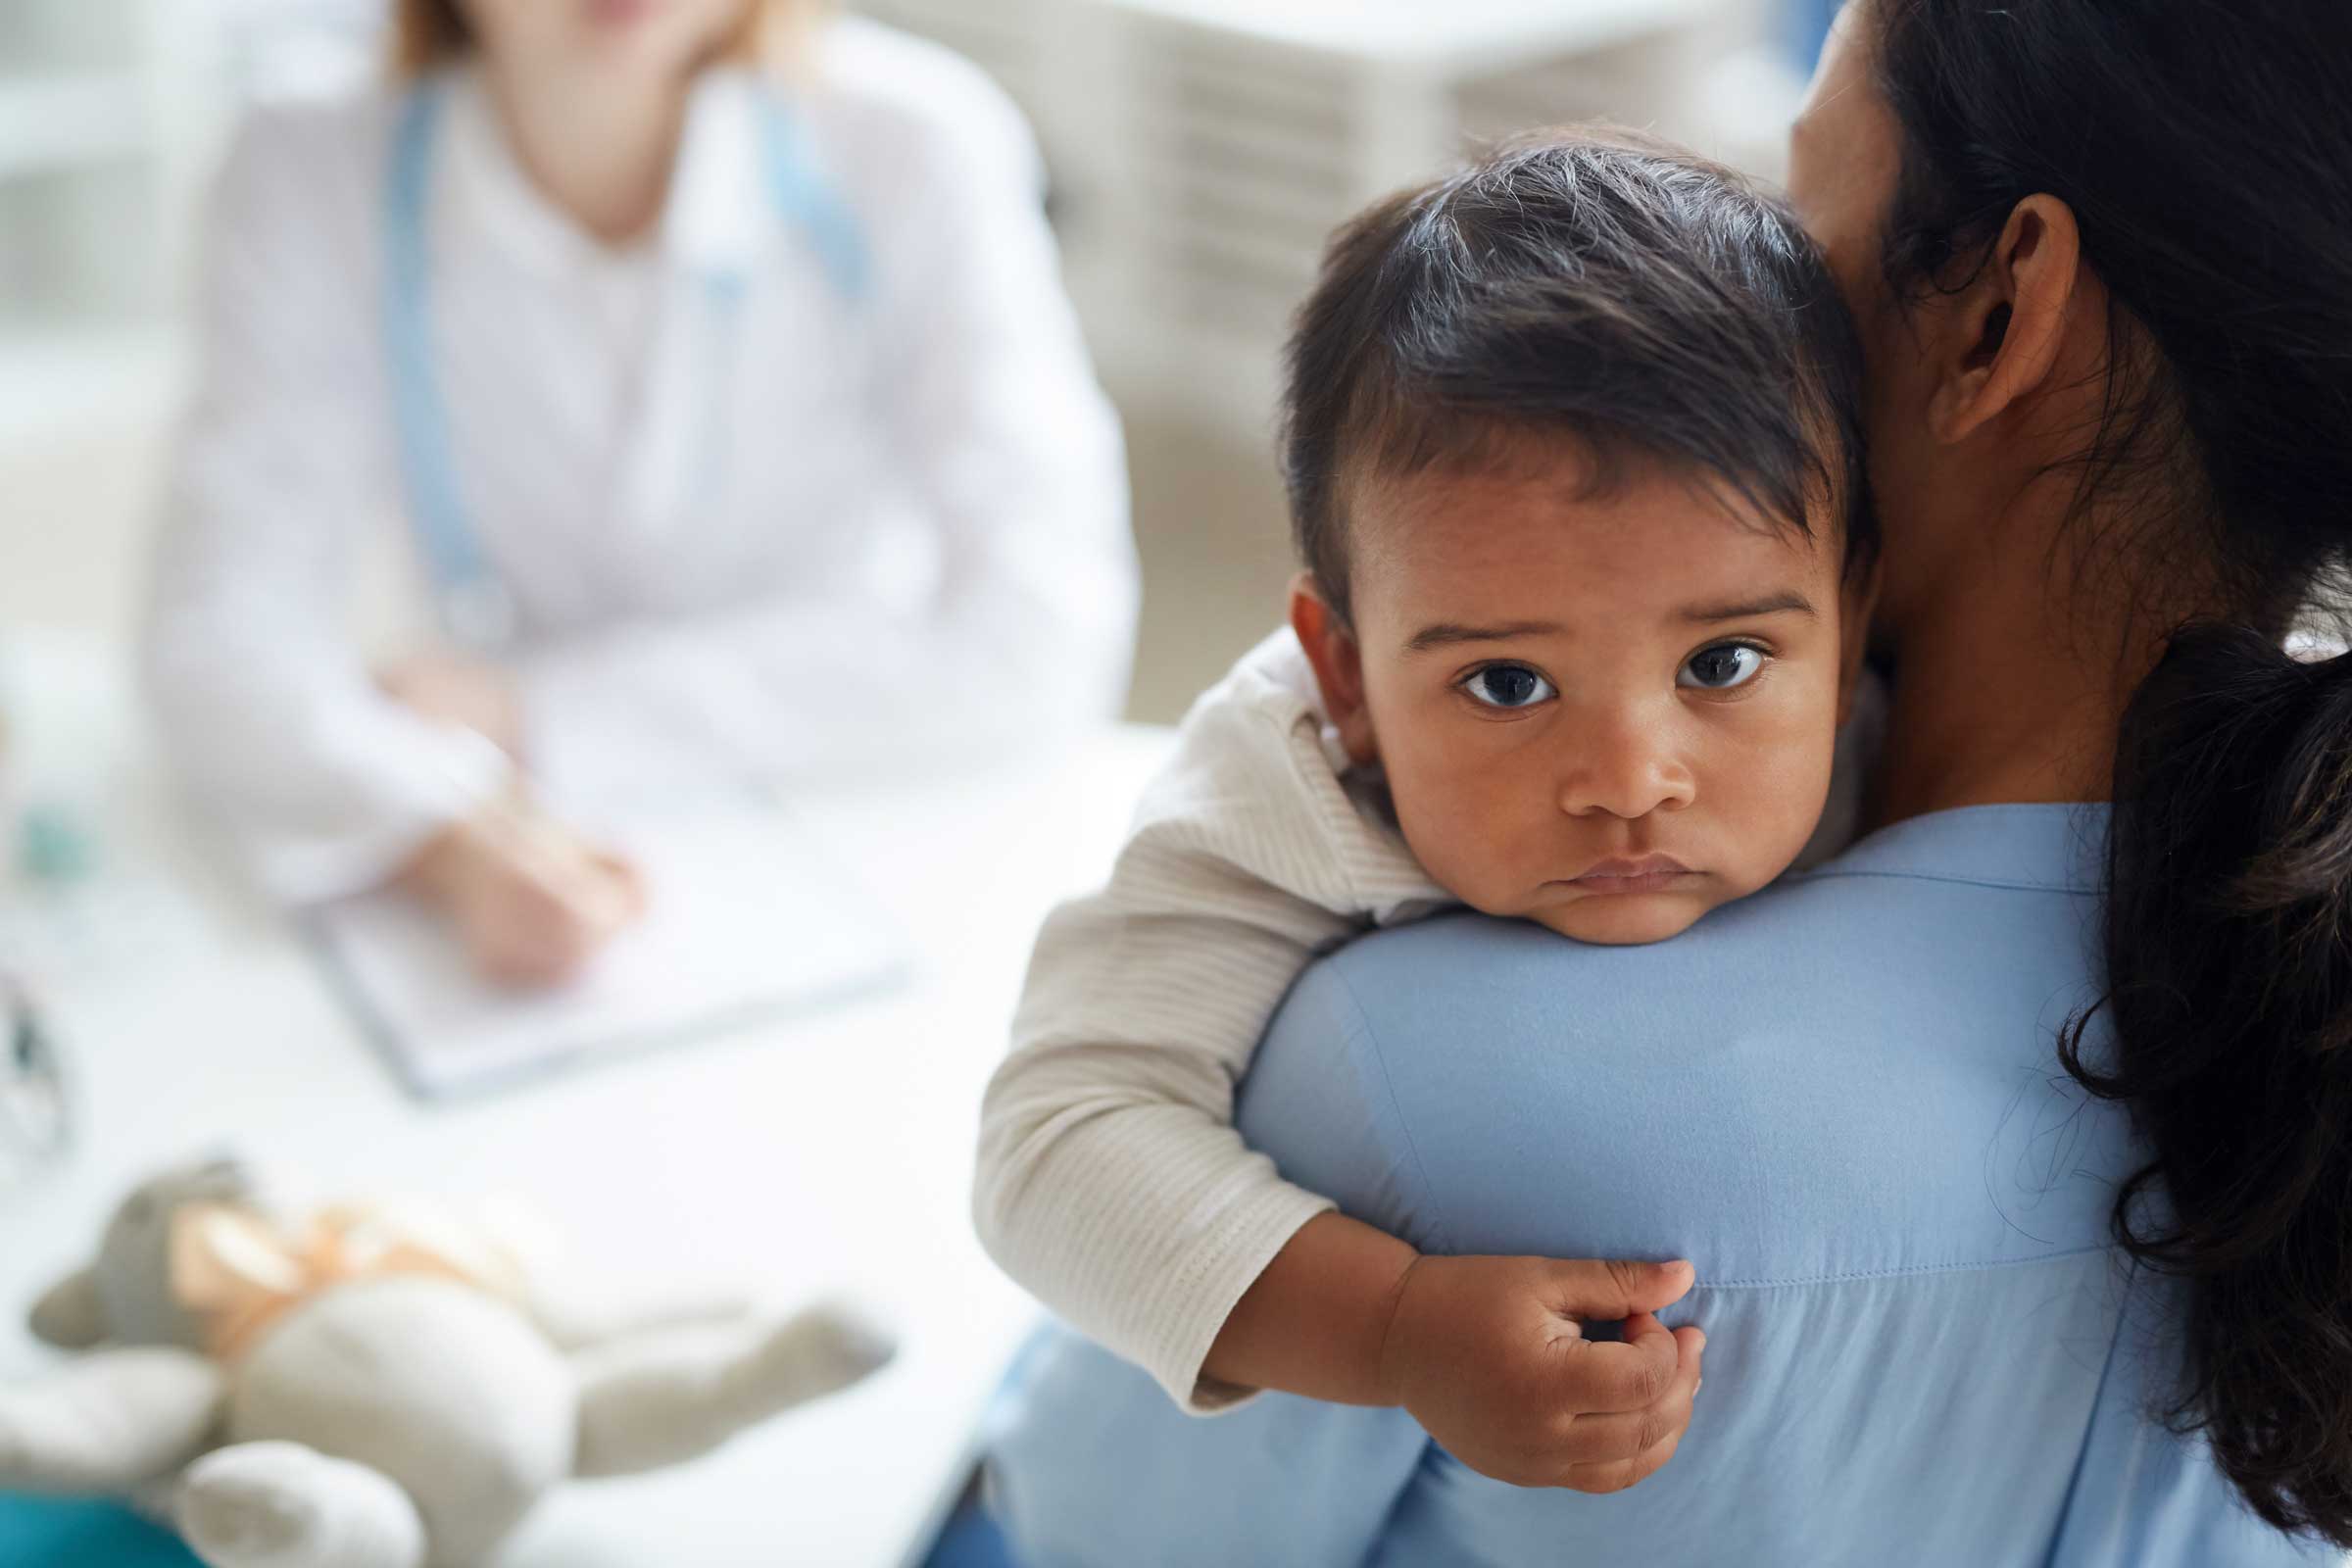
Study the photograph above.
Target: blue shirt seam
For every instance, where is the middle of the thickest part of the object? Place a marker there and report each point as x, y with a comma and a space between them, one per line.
1912, 1271
2074, 1480
1364, 1031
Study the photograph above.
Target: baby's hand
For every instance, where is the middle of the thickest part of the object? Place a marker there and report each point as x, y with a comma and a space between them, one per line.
1490, 1356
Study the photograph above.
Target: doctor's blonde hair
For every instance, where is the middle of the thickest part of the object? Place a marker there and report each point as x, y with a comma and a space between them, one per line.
427, 33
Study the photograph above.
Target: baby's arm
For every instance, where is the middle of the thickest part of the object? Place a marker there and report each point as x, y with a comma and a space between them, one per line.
1111, 1182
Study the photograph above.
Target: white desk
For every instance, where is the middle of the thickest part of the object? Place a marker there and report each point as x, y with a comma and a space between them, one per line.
831, 1152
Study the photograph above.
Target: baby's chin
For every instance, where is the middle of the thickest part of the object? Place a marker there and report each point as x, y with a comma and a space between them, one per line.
1625, 919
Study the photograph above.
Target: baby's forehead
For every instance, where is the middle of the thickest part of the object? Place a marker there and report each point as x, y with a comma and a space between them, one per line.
1623, 539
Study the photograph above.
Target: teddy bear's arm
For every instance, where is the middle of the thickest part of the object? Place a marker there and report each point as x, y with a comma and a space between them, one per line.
664, 1397
108, 1422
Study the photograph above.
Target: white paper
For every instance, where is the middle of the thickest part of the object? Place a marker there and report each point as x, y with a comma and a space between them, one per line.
743, 919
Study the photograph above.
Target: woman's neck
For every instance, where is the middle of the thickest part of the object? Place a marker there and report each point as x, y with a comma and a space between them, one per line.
1978, 731
601, 148
2010, 685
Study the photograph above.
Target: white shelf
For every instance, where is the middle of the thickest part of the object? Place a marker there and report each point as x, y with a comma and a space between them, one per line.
1456, 38
56, 123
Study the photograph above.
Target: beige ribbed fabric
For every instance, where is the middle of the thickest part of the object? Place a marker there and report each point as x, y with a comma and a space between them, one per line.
1111, 1182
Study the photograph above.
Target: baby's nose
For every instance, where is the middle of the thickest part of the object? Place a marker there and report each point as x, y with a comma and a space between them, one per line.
1624, 767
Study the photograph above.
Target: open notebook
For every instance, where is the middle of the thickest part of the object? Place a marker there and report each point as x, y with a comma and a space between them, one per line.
744, 921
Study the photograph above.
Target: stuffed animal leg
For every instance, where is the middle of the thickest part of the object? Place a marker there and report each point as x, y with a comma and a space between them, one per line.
110, 1422
660, 1399
282, 1505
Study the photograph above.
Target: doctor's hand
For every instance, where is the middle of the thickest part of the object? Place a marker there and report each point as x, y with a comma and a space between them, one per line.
1490, 1356
531, 900
467, 693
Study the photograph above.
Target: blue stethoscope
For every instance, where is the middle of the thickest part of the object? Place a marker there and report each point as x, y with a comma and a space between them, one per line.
476, 610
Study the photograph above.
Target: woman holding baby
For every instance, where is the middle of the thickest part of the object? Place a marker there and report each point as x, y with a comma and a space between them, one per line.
2005, 1147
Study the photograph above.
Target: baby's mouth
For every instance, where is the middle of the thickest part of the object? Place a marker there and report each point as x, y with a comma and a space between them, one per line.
1647, 873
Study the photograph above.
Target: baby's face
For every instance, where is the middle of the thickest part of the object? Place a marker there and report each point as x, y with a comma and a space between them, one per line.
1608, 713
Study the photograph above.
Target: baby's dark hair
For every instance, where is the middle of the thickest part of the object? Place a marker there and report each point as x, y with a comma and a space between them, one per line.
1638, 300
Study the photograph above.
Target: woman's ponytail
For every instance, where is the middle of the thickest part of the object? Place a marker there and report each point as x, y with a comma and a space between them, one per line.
2229, 954
2206, 154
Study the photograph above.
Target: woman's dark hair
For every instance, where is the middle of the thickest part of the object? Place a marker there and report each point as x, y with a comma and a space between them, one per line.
1620, 293
2206, 153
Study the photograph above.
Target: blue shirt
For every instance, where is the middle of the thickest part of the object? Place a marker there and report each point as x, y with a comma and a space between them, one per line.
1841, 1099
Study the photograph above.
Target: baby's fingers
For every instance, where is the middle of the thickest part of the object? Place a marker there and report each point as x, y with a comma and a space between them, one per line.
1619, 1473
1632, 1373
1606, 1452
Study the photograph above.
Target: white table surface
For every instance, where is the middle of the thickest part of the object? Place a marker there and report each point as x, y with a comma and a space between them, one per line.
830, 1152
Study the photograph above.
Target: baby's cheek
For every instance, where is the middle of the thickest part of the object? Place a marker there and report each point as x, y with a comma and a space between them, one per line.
1777, 804
1463, 831
1446, 843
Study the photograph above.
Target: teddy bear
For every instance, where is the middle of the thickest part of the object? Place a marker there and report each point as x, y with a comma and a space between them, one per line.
372, 1388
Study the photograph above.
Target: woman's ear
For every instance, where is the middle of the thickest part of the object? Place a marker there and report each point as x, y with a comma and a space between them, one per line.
2008, 325
1858, 601
1338, 664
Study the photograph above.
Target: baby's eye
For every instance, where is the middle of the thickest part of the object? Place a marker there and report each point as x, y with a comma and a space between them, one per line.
1722, 666
1507, 686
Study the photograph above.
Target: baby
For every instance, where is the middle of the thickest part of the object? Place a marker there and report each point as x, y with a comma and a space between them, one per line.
1571, 444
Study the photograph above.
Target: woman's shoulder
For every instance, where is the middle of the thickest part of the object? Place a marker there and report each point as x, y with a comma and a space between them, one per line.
1896, 1011
304, 169
336, 133
1938, 922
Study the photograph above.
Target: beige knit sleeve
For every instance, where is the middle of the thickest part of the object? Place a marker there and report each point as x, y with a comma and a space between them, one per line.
1111, 1182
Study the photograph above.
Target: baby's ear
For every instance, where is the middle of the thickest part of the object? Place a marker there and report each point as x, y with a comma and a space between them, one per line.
1338, 664
69, 1315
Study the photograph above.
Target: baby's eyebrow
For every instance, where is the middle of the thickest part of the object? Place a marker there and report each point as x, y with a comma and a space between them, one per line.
1786, 602
1446, 633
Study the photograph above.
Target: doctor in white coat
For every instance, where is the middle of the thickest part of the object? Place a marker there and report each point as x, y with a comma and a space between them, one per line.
710, 359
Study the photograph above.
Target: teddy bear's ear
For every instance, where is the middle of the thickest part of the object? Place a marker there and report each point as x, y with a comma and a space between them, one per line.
68, 1317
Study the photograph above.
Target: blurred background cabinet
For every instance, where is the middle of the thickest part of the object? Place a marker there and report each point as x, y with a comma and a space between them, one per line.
1200, 152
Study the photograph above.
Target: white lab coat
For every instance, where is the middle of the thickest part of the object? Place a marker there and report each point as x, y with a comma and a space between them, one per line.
810, 533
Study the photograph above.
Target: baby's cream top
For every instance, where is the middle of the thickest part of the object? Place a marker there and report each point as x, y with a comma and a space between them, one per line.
1111, 1182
